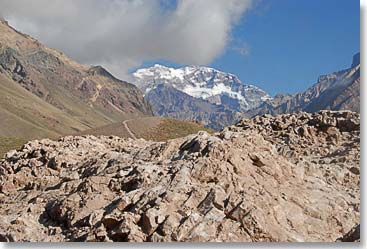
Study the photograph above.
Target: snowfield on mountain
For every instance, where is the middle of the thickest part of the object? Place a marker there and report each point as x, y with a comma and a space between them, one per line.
203, 82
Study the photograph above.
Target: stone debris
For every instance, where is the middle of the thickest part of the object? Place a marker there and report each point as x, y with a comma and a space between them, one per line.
287, 178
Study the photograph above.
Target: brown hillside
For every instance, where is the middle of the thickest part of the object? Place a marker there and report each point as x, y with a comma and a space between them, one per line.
149, 128
87, 96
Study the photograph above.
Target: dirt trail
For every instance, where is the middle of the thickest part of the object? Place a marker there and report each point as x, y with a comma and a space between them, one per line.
132, 135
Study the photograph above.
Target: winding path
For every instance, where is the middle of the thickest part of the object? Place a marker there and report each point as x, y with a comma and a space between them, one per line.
132, 135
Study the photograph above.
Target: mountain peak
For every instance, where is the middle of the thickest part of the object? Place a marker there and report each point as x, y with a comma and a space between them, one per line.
3, 21
169, 73
159, 66
356, 60
101, 71
203, 83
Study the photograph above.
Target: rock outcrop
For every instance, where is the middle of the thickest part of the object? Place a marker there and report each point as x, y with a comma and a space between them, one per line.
293, 177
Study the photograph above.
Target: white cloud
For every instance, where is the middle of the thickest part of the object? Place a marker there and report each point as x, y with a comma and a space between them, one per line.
121, 34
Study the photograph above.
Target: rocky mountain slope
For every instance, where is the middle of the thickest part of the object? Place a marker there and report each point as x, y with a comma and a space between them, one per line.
208, 90
204, 83
293, 177
335, 91
50, 94
167, 101
24, 115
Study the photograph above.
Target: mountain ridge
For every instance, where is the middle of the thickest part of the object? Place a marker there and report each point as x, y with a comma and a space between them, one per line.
89, 96
198, 89
335, 91
167, 101
201, 82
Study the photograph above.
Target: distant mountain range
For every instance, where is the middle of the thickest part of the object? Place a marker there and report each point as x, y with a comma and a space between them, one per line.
43, 93
335, 91
218, 99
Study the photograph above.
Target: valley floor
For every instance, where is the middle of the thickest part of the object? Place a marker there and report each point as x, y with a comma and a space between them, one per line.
149, 128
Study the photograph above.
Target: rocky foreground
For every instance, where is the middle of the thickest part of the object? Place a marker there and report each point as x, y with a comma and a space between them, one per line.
293, 177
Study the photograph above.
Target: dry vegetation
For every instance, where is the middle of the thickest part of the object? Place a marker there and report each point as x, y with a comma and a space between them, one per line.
7, 144
172, 128
149, 128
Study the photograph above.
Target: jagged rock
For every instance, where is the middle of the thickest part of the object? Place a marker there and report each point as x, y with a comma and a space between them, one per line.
292, 177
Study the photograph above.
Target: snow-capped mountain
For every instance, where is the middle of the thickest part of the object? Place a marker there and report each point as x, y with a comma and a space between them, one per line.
205, 83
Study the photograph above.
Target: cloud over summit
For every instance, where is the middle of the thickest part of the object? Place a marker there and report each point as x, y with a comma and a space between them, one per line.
121, 34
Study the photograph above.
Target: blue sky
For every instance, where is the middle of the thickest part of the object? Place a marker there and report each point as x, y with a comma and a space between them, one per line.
291, 43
